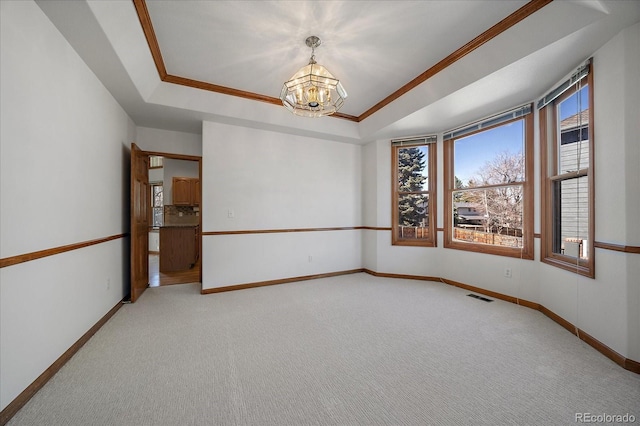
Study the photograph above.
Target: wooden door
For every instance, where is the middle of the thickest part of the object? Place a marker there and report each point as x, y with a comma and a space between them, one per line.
140, 201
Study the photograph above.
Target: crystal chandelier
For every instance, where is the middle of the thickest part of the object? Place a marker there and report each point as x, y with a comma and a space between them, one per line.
313, 91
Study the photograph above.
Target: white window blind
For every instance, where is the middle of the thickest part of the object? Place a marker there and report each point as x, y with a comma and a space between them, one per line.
419, 140
553, 94
502, 117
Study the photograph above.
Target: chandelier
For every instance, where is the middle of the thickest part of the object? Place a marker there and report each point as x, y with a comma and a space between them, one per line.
313, 91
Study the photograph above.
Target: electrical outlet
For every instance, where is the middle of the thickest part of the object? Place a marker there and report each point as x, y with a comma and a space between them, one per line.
231, 214
310, 258
108, 283
507, 272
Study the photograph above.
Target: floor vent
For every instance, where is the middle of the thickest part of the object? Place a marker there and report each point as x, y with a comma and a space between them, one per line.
475, 296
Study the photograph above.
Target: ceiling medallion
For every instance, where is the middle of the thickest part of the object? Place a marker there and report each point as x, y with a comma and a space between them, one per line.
313, 91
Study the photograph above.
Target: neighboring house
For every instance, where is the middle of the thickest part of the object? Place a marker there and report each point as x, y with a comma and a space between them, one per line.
470, 215
574, 211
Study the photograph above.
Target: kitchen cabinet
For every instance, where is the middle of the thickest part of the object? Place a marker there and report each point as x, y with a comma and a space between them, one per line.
186, 191
196, 192
179, 247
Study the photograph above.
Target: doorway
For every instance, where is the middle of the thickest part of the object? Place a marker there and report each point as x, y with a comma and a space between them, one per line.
171, 207
163, 214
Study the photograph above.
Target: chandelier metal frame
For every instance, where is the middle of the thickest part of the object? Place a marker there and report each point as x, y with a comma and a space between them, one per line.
313, 91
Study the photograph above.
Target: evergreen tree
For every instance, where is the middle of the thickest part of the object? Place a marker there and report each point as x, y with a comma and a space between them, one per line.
457, 197
412, 207
459, 184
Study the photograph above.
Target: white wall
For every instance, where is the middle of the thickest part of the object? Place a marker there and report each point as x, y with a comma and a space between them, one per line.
154, 240
607, 307
156, 175
270, 180
370, 206
632, 181
157, 140
64, 179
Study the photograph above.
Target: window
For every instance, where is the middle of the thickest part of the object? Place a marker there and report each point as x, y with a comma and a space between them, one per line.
155, 162
414, 192
488, 179
566, 142
157, 205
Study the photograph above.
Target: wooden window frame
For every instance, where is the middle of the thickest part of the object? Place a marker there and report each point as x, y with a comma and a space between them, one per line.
527, 250
431, 239
549, 177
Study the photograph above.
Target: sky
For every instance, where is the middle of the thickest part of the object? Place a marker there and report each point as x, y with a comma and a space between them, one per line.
472, 152
570, 105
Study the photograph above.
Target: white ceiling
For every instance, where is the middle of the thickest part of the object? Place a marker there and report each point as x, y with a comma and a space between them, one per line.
373, 47
257, 45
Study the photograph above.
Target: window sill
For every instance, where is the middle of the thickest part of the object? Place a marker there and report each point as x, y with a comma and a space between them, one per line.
414, 243
487, 249
570, 266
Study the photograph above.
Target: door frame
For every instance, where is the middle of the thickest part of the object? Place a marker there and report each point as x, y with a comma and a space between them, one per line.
187, 158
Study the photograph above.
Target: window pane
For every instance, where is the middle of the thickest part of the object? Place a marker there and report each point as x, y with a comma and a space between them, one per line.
157, 195
491, 157
157, 203
571, 217
413, 216
573, 116
157, 219
155, 161
489, 216
412, 169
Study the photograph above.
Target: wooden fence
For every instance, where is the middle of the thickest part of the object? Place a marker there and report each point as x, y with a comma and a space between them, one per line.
486, 238
415, 232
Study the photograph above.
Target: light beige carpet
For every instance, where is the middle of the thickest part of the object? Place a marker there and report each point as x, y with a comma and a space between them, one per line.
349, 350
